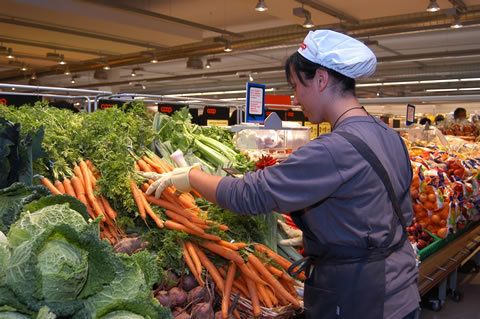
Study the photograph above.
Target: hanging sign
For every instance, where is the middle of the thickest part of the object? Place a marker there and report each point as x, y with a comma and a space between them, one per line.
255, 107
410, 114
216, 115
106, 104
18, 100
169, 109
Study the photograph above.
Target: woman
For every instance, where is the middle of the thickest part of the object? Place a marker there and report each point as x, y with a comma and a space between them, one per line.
360, 264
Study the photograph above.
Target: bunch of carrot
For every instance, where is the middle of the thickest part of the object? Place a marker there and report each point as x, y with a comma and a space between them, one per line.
254, 279
82, 186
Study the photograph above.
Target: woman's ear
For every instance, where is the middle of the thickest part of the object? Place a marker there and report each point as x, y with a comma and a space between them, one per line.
322, 77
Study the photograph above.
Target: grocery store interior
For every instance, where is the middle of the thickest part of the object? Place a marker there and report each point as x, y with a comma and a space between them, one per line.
197, 63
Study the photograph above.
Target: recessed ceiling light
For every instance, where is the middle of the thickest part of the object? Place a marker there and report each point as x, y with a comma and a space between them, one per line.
261, 6
433, 6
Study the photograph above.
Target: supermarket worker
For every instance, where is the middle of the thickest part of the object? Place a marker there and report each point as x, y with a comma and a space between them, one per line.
348, 191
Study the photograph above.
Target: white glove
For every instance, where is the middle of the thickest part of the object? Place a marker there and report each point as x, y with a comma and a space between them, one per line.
296, 235
178, 178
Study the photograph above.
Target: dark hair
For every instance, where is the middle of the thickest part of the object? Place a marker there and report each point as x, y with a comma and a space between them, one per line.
457, 112
439, 118
424, 120
305, 69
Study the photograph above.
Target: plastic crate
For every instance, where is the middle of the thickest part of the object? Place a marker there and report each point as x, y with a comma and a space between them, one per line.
437, 244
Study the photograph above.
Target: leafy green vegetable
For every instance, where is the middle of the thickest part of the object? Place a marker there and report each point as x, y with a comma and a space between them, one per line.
12, 200
17, 153
167, 246
50, 200
242, 228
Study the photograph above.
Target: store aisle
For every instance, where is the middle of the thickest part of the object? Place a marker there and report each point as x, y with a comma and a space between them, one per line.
468, 308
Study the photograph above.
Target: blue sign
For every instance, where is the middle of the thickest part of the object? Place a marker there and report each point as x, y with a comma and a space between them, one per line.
410, 114
255, 107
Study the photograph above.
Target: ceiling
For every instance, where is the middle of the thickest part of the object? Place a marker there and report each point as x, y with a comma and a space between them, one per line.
412, 45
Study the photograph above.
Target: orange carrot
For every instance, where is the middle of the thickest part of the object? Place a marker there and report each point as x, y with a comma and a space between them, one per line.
212, 270
252, 290
220, 226
144, 166
154, 165
226, 244
193, 254
59, 186
136, 167
80, 191
78, 173
164, 204
232, 269
48, 184
279, 289
245, 269
236, 283
191, 265
274, 271
67, 184
284, 263
158, 221
89, 191
222, 251
271, 295
288, 286
263, 296
176, 226
182, 220
108, 209
138, 199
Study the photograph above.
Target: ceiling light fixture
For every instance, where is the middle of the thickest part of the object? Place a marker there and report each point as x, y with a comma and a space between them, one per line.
441, 90
457, 23
308, 23
154, 60
72, 80
433, 6
250, 78
228, 46
24, 68
261, 6
133, 74
13, 89
66, 72
62, 60
10, 54
208, 65
106, 67
33, 77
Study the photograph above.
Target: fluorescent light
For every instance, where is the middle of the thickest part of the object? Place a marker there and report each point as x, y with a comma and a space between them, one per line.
470, 79
261, 6
440, 81
433, 6
212, 93
369, 84
401, 83
469, 89
441, 90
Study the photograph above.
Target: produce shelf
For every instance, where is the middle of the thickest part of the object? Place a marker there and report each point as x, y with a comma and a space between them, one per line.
439, 265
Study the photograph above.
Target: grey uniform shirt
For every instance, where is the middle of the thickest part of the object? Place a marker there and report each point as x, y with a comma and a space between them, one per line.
353, 200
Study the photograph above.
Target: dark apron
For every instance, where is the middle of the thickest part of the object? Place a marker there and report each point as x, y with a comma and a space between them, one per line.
349, 282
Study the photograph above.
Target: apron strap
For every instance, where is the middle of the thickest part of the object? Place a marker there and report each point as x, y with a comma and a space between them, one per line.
368, 154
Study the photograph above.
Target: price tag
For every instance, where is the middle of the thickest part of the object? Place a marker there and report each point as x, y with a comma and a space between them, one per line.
313, 130
324, 128
410, 114
217, 122
255, 107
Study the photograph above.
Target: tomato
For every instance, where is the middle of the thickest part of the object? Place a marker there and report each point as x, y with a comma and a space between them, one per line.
435, 219
432, 198
442, 232
423, 197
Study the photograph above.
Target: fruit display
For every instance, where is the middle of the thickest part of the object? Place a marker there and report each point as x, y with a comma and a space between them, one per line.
464, 129
418, 236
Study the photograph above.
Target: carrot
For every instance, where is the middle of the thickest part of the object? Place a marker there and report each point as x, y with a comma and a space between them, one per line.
48, 184
250, 274
67, 184
144, 166
164, 204
223, 251
154, 165
252, 290
284, 263
89, 190
191, 264
136, 167
274, 271
262, 295
220, 226
193, 254
138, 199
288, 286
182, 220
148, 209
241, 286
232, 269
226, 244
108, 209
279, 289
80, 191
271, 295
176, 226
78, 173
212, 270
59, 186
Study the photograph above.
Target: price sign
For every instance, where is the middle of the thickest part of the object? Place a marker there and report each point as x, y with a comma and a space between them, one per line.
313, 130
216, 115
169, 109
217, 122
324, 128
410, 114
255, 107
18, 100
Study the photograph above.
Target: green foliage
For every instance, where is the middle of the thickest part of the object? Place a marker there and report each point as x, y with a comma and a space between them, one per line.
167, 246
12, 200
242, 228
50, 200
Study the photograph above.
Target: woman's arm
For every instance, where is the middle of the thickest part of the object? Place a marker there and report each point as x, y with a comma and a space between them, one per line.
205, 184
